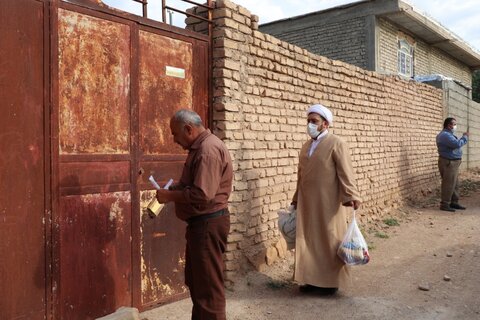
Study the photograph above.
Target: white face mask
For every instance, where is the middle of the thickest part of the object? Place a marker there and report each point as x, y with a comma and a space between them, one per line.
312, 130
454, 128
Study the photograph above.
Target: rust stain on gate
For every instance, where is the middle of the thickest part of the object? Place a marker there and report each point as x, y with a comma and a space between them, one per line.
101, 114
88, 94
162, 264
165, 85
23, 171
95, 206
94, 83
162, 93
95, 265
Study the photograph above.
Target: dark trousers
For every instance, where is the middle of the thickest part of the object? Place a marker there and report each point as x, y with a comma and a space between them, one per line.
204, 267
449, 173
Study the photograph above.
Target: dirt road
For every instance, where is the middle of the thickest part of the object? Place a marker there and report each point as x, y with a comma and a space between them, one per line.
437, 250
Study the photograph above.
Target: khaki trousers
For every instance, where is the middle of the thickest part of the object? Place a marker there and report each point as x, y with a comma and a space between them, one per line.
449, 173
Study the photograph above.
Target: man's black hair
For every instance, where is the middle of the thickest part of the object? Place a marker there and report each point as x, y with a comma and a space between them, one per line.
447, 122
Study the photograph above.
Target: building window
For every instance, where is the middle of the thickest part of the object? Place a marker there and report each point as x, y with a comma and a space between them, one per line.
405, 59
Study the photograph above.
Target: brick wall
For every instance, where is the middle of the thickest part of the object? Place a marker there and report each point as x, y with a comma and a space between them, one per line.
456, 98
428, 59
263, 86
345, 37
341, 40
459, 105
467, 112
473, 146
387, 47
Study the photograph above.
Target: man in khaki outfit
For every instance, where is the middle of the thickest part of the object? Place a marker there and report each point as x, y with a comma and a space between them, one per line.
449, 160
325, 188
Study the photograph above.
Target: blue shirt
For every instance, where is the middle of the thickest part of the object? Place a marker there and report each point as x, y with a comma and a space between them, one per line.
449, 146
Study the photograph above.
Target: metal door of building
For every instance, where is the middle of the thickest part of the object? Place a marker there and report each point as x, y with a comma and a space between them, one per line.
117, 80
24, 208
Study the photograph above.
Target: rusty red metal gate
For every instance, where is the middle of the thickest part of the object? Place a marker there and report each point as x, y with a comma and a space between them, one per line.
24, 168
111, 81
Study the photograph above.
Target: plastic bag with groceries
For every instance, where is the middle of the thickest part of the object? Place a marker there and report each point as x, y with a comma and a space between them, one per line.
354, 249
287, 224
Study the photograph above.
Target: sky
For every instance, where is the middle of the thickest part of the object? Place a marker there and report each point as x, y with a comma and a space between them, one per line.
460, 17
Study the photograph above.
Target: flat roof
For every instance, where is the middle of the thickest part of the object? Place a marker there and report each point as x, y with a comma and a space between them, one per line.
407, 17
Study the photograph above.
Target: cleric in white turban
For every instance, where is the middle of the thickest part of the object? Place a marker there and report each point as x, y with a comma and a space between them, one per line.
326, 187
322, 111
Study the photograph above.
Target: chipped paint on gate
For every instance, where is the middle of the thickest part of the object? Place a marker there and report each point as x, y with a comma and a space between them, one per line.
161, 94
94, 85
116, 212
157, 284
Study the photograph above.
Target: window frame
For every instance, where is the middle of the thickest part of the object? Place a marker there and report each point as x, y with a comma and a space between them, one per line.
405, 59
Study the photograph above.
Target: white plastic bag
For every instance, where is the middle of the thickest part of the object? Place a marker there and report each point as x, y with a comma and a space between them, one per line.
354, 249
287, 224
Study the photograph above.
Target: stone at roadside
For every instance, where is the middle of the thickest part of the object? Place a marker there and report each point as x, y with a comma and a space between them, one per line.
281, 246
258, 260
424, 287
271, 255
446, 278
449, 254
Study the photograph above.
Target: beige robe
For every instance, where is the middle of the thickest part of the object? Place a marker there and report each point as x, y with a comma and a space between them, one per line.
325, 181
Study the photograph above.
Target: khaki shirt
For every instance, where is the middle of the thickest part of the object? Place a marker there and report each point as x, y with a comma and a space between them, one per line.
206, 178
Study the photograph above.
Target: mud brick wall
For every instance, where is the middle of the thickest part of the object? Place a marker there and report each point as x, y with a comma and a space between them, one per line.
263, 87
473, 146
341, 40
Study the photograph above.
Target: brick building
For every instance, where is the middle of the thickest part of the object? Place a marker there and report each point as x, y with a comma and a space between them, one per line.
262, 87
386, 36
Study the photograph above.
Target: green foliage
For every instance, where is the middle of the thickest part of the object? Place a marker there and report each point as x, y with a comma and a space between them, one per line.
476, 86
391, 222
380, 234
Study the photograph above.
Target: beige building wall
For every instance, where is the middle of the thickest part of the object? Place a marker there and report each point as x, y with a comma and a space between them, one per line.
428, 59
473, 146
387, 47
263, 87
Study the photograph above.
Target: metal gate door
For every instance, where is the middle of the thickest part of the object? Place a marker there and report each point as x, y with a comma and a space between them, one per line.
23, 171
117, 81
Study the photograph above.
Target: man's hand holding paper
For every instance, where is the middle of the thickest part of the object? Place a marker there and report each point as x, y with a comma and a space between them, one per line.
163, 195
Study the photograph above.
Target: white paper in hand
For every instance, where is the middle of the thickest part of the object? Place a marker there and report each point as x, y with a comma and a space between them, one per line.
155, 184
169, 183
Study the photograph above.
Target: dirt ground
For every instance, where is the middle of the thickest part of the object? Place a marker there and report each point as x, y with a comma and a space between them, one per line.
436, 250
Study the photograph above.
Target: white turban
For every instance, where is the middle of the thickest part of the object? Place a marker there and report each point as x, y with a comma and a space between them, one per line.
323, 111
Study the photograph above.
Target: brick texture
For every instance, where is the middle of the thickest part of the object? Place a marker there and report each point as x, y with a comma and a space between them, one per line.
263, 89
428, 59
343, 40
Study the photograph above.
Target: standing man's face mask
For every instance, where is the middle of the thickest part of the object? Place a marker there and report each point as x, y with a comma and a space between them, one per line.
454, 128
312, 130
